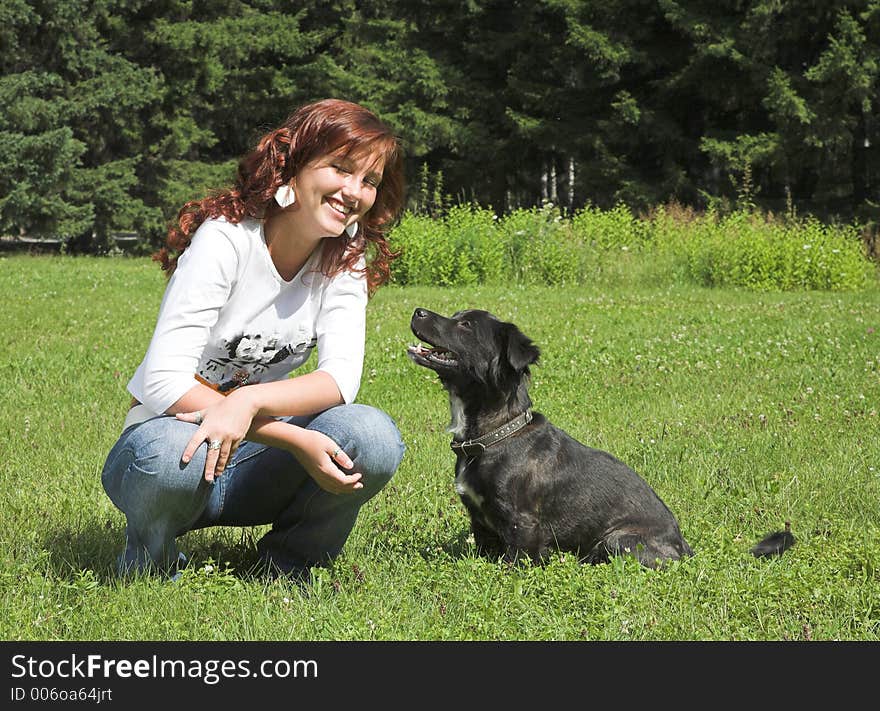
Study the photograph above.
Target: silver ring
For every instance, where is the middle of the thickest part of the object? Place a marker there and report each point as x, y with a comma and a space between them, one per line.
199, 417
214, 444
335, 452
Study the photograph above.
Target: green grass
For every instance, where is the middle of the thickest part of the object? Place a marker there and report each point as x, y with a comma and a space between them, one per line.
743, 409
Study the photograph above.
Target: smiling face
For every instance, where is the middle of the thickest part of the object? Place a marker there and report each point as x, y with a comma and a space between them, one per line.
336, 191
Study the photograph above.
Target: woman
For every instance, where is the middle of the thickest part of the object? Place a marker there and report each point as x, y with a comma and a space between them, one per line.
263, 273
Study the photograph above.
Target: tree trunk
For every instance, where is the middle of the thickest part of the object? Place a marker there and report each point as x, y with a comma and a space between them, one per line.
544, 181
859, 162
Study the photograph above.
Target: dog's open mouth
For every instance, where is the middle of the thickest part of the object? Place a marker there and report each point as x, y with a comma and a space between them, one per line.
425, 355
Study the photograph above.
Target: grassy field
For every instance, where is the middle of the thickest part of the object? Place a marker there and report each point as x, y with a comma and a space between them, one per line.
743, 410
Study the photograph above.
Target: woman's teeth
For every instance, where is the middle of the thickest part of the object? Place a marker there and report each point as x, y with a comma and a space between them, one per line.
339, 207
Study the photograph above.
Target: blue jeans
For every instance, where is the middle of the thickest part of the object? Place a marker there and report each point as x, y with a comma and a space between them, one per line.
162, 498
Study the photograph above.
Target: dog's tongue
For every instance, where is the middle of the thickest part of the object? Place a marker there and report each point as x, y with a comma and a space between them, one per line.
435, 353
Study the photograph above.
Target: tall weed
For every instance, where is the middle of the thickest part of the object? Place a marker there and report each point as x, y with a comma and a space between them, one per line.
542, 247
469, 245
616, 228
746, 250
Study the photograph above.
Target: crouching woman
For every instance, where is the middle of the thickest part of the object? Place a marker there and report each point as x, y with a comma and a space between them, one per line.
219, 433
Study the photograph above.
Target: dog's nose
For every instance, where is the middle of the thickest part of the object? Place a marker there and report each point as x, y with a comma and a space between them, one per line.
420, 313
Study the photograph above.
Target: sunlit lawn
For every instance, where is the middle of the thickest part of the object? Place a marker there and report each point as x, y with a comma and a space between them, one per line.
743, 410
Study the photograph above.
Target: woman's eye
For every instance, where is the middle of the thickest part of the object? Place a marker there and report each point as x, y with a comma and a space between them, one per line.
465, 324
341, 168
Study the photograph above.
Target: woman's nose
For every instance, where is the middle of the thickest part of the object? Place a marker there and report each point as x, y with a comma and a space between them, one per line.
352, 186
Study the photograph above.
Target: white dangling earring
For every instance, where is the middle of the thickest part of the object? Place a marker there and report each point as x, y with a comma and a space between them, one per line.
284, 196
352, 230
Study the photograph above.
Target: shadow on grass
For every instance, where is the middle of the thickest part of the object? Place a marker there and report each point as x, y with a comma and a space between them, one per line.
74, 550
459, 547
456, 548
94, 546
403, 539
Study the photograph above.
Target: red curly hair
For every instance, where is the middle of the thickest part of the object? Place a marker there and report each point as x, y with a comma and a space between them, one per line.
331, 126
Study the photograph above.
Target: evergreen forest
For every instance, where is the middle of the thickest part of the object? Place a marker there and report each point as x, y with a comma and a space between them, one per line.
115, 112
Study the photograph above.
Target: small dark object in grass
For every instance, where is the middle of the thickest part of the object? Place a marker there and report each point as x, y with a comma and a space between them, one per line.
775, 543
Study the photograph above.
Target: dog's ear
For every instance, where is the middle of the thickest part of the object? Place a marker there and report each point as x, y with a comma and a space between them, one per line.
521, 352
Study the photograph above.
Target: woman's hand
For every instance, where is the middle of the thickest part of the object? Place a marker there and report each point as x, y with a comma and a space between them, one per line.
320, 456
223, 426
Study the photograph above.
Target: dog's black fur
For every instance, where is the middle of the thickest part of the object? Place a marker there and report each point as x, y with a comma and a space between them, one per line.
538, 489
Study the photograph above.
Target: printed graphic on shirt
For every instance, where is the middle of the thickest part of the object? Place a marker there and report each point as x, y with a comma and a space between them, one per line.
244, 358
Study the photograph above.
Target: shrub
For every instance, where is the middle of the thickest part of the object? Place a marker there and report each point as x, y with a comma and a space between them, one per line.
746, 250
472, 236
608, 229
541, 247
470, 245
421, 240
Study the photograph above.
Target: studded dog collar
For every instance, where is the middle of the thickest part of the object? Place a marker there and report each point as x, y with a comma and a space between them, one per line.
473, 447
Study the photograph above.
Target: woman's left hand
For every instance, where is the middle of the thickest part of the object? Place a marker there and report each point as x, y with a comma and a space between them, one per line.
223, 426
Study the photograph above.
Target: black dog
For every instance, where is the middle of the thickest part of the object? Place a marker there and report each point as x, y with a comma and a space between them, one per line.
528, 486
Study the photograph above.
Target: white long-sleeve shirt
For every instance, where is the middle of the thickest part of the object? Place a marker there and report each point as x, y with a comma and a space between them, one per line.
228, 319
